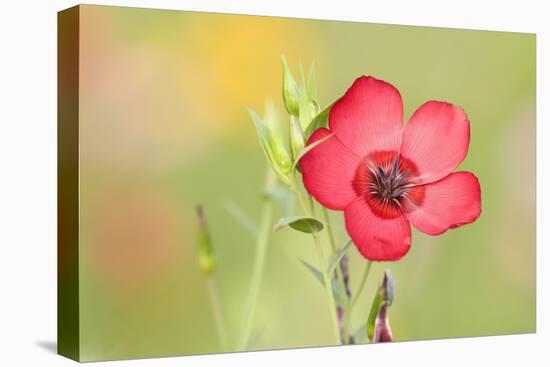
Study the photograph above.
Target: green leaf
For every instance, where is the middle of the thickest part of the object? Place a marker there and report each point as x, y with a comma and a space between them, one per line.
283, 197
302, 224
261, 128
314, 271
241, 217
375, 308
321, 120
307, 148
319, 276
335, 260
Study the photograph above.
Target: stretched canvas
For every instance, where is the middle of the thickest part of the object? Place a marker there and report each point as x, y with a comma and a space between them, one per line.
238, 183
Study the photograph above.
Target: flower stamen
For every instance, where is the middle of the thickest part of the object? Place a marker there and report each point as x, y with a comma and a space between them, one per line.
385, 179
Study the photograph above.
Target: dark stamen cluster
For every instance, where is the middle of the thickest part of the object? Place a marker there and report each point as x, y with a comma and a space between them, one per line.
389, 182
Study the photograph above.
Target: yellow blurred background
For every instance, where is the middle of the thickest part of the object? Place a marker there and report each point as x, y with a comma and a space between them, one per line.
164, 126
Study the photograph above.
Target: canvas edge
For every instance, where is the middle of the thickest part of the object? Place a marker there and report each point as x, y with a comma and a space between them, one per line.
68, 315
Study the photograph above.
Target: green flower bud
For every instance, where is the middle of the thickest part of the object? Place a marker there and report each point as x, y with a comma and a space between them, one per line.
308, 106
272, 139
291, 94
315, 108
307, 113
281, 157
382, 328
207, 262
378, 324
297, 140
284, 165
312, 84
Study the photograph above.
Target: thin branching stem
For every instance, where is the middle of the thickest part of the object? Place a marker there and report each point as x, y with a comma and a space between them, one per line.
217, 311
362, 284
266, 218
339, 276
324, 267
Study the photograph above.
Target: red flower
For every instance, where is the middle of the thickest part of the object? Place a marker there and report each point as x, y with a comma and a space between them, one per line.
385, 176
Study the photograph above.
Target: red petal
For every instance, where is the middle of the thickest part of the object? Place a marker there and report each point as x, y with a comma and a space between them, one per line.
377, 238
328, 171
369, 117
436, 139
448, 203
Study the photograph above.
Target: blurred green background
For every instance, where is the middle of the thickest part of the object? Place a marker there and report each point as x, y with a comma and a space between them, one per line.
164, 126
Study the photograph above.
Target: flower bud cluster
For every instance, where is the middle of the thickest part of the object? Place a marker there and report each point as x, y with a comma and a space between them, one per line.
300, 101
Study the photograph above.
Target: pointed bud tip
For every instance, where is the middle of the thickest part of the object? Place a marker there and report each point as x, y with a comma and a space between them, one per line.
388, 286
204, 244
291, 94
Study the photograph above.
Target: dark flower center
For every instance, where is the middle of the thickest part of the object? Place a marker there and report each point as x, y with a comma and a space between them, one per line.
386, 180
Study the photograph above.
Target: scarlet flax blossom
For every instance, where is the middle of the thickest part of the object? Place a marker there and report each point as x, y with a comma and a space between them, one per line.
385, 176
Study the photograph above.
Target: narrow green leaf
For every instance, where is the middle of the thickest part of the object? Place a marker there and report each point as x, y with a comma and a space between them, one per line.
335, 260
302, 224
283, 197
314, 271
241, 217
261, 128
307, 148
321, 120
319, 276
375, 308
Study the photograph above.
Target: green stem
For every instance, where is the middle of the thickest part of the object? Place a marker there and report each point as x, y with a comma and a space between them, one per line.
329, 230
217, 311
259, 261
311, 205
301, 200
339, 276
324, 266
362, 284
328, 289
347, 316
